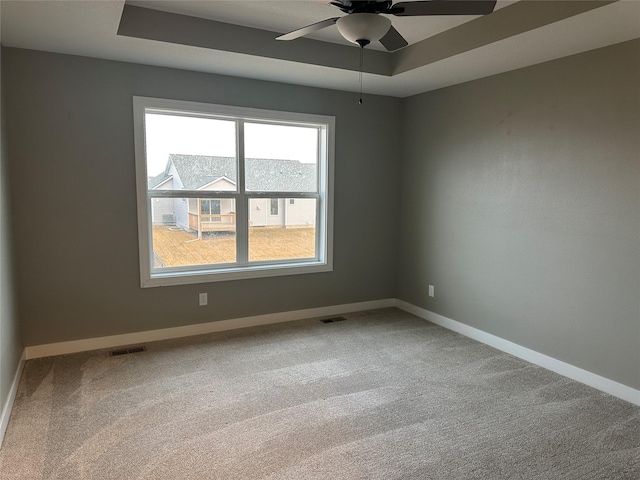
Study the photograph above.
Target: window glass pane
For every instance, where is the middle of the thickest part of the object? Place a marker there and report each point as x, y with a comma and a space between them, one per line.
193, 150
281, 158
291, 234
209, 206
190, 153
193, 231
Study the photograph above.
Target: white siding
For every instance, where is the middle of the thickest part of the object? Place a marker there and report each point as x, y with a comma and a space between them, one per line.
222, 185
258, 212
177, 183
227, 206
301, 213
180, 209
161, 208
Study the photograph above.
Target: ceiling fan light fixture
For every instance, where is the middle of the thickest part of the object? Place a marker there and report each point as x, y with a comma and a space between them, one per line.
357, 27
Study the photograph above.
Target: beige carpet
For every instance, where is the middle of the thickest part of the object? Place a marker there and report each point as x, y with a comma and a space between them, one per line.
382, 395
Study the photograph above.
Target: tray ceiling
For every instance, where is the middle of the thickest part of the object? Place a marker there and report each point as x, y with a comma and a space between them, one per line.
238, 38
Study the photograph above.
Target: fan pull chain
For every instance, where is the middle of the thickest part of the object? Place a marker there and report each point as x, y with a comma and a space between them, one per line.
363, 43
361, 67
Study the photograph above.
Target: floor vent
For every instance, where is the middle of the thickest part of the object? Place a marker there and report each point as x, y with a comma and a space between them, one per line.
333, 319
126, 351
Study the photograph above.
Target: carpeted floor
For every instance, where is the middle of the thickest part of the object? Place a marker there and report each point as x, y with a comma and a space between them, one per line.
382, 395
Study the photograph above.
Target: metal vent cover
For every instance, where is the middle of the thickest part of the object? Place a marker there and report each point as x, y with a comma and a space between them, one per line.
333, 319
126, 351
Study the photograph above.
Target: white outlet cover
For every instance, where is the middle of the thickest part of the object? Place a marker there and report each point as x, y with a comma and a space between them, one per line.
202, 299
432, 292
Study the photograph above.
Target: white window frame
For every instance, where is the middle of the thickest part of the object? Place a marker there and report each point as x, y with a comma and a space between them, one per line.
243, 268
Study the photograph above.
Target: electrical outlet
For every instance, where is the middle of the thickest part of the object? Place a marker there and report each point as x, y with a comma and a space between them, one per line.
432, 291
202, 299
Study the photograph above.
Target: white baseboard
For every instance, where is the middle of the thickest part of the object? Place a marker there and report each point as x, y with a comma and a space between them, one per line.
52, 349
583, 376
8, 406
601, 383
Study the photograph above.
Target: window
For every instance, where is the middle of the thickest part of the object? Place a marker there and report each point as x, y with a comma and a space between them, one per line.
227, 193
209, 207
274, 206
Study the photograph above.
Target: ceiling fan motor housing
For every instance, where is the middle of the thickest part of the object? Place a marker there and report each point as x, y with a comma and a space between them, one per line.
363, 27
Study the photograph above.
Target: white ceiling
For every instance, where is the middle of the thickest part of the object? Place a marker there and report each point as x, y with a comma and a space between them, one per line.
89, 28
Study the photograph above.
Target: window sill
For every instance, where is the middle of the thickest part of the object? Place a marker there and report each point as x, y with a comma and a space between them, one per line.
233, 273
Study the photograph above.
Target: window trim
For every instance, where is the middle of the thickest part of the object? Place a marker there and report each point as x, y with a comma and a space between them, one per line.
186, 275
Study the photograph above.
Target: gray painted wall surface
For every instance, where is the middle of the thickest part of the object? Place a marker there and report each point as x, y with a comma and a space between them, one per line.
520, 196
73, 193
10, 342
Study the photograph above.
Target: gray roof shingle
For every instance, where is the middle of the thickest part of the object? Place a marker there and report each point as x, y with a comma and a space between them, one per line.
262, 174
158, 179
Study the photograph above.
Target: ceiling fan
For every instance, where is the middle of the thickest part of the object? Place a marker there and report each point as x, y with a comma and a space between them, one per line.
364, 23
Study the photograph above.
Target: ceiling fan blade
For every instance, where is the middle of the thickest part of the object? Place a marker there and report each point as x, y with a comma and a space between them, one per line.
314, 27
443, 7
392, 40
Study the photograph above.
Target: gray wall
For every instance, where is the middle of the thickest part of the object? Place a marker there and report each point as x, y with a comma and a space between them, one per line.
73, 193
519, 198
521, 204
10, 342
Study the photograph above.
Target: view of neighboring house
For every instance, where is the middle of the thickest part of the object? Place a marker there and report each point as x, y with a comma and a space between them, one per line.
198, 172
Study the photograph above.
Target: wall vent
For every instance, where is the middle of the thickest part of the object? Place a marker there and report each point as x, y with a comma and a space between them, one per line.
333, 319
126, 351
